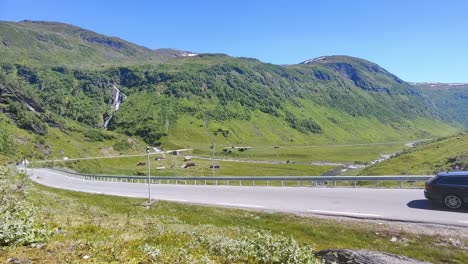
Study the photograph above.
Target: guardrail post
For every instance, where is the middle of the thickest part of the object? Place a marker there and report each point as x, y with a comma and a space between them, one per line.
316, 183
176, 182
228, 182
253, 183
240, 182
268, 183
185, 182
282, 183
216, 182
298, 184
334, 183
355, 183
401, 184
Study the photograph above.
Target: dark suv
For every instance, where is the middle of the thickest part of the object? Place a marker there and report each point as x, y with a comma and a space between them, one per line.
448, 188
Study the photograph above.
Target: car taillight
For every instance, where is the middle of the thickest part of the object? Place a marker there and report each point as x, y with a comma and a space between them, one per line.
427, 186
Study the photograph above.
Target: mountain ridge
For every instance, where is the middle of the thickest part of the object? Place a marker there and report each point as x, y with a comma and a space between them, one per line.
60, 44
333, 99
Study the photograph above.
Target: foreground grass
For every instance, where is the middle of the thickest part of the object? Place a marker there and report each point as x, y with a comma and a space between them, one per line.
111, 229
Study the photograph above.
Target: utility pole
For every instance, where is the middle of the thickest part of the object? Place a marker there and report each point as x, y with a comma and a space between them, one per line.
149, 172
212, 154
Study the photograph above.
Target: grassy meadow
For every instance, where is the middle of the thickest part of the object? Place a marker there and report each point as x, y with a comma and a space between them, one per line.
261, 160
121, 230
173, 166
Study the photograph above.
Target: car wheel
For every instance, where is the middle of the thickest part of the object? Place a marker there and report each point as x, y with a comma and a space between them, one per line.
452, 201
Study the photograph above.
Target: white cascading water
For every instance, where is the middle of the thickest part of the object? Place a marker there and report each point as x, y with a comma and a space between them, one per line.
116, 104
117, 99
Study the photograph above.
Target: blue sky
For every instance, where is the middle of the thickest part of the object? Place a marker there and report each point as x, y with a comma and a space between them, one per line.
418, 40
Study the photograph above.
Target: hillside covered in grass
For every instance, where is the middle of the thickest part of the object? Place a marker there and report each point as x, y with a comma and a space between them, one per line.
443, 154
58, 44
189, 99
53, 74
450, 99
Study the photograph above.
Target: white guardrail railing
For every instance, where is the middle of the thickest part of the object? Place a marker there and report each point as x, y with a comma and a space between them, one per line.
238, 180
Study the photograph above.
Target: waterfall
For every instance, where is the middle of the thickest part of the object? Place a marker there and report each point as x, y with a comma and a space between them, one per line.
117, 100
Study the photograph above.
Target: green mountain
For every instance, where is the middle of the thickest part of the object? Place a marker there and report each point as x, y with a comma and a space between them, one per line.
57, 44
60, 77
443, 154
449, 100
189, 99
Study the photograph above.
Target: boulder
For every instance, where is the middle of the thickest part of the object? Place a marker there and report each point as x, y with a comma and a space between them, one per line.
347, 256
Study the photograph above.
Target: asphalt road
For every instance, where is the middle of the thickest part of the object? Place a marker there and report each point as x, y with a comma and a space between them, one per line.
408, 205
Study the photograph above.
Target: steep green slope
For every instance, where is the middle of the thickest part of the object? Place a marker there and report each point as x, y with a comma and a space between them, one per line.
443, 154
192, 100
83, 97
58, 44
72, 140
28, 127
449, 99
189, 101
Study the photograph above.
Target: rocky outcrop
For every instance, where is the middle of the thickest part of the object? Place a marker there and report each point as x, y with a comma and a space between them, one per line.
347, 256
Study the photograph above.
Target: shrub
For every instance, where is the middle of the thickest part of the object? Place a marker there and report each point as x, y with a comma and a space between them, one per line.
96, 135
17, 225
262, 247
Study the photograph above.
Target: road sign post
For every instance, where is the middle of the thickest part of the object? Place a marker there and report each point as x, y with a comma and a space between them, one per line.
213, 157
149, 173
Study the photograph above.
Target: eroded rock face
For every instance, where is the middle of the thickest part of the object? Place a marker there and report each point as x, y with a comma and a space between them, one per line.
347, 256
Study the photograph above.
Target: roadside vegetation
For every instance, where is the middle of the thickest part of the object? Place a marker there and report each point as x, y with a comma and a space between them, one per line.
18, 225
443, 154
121, 230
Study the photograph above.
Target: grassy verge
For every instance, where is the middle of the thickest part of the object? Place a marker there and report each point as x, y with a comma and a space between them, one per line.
109, 229
173, 166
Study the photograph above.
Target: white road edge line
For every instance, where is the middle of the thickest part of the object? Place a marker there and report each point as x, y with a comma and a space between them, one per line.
342, 213
464, 222
241, 205
171, 200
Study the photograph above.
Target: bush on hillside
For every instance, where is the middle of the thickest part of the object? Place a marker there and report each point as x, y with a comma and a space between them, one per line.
6, 143
17, 224
96, 135
302, 125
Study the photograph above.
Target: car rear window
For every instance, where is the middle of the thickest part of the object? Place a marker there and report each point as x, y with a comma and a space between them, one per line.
458, 180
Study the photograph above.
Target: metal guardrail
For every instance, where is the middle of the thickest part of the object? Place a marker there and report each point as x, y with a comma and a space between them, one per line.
226, 180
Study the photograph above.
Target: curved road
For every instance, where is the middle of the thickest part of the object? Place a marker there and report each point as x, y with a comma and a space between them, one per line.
407, 205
